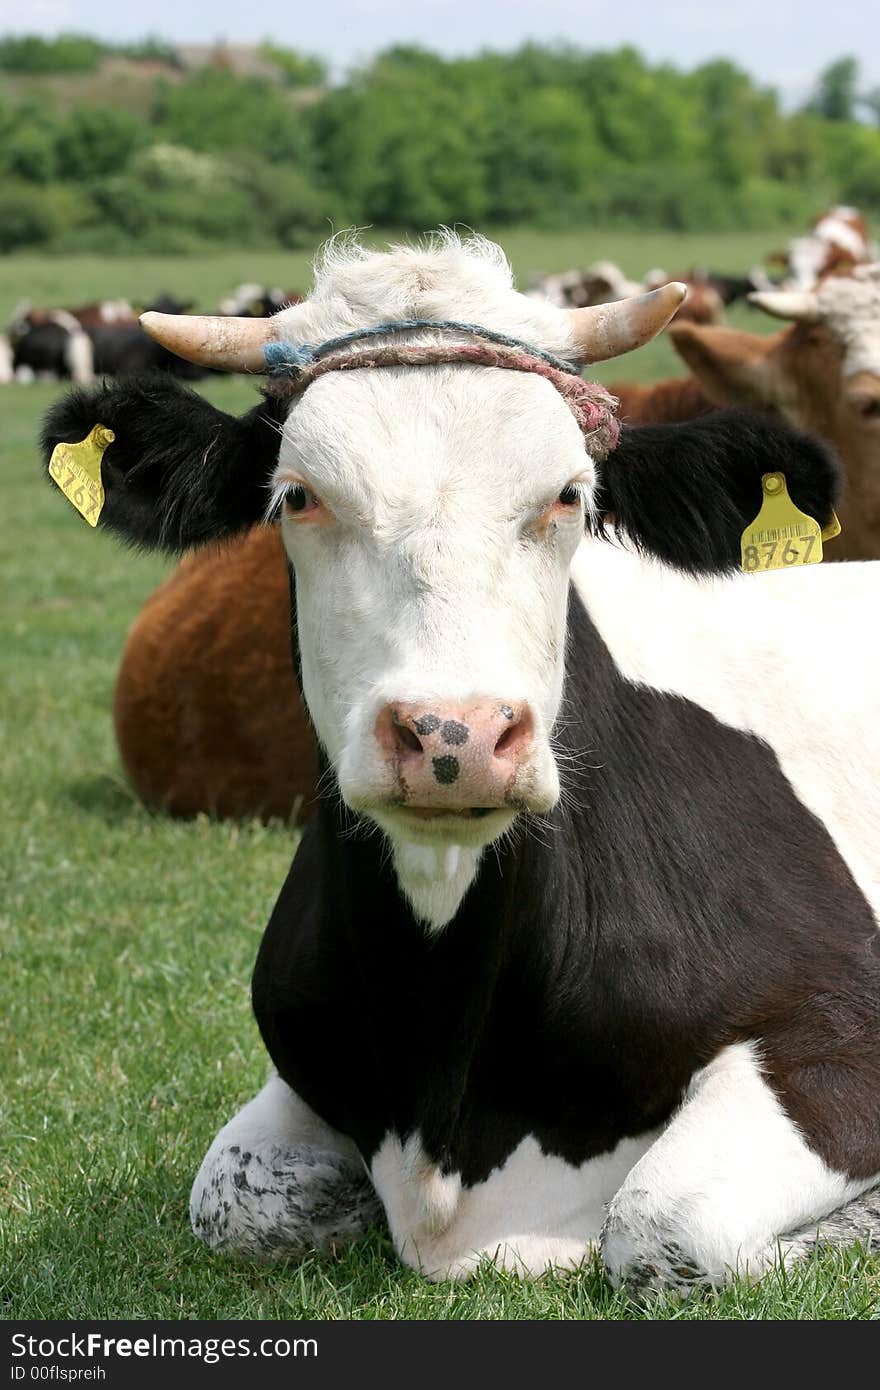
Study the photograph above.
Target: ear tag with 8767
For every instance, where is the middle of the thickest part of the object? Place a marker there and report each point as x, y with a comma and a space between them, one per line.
781, 535
76, 468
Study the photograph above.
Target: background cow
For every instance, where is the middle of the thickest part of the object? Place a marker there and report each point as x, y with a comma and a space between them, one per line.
207, 711
823, 375
102, 339
50, 345
256, 301
837, 242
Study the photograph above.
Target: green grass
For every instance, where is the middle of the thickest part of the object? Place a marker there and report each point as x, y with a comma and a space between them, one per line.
47, 280
79, 279
127, 942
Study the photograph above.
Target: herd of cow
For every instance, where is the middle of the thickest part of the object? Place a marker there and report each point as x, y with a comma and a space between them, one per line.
837, 242
105, 338
648, 1021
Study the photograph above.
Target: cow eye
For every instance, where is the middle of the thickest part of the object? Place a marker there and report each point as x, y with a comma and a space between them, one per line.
298, 499
570, 496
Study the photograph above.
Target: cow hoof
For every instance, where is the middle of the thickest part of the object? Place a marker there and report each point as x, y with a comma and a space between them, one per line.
678, 1247
280, 1202
646, 1253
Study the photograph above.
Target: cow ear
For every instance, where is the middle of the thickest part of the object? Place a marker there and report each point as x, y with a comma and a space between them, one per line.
686, 492
179, 472
733, 368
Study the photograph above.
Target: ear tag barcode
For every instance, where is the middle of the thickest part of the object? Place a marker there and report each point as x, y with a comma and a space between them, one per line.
781, 536
76, 468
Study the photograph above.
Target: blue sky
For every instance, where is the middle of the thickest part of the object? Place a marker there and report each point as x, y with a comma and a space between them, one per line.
781, 42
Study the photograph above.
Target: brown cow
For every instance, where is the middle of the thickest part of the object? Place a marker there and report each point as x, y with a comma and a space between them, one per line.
198, 703
207, 711
703, 304
838, 241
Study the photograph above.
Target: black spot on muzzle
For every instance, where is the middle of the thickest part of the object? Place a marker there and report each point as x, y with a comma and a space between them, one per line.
427, 724
446, 769
453, 732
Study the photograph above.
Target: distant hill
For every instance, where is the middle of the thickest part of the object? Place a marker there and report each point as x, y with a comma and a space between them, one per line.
74, 71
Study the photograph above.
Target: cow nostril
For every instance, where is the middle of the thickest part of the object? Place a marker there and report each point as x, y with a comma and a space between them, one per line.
406, 739
509, 739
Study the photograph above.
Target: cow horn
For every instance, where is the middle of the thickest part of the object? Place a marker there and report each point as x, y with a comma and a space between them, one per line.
800, 305
231, 344
609, 330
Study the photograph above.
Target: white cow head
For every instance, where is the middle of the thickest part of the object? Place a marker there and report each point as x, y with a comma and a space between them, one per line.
431, 517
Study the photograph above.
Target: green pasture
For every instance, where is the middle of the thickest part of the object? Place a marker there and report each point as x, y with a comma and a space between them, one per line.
127, 940
56, 280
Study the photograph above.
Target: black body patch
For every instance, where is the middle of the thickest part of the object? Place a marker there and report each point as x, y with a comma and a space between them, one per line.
588, 973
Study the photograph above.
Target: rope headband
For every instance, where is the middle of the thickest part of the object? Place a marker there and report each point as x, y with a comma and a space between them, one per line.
292, 369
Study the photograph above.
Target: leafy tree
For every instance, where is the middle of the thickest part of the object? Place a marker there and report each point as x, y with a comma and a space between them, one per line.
67, 53
148, 50
215, 110
402, 151
835, 95
298, 69
29, 153
33, 215
27, 141
289, 206
546, 134
97, 140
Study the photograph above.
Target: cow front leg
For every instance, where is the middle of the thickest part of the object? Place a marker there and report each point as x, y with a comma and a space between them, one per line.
278, 1181
718, 1191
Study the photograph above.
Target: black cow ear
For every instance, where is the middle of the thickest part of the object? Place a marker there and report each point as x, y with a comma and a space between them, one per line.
179, 472
686, 492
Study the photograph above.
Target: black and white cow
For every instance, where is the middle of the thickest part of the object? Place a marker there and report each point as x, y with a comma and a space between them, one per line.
580, 946
124, 349
257, 301
50, 345
102, 339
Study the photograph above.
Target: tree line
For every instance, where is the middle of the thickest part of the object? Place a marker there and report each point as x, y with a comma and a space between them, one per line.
545, 135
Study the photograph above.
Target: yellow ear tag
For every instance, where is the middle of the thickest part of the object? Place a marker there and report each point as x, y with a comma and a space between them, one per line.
833, 528
781, 536
76, 468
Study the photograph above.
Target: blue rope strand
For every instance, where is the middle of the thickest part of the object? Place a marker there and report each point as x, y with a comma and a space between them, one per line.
285, 359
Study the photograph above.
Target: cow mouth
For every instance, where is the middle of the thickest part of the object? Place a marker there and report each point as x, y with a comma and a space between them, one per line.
434, 826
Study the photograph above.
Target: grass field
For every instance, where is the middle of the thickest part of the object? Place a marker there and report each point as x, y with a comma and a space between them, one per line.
127, 940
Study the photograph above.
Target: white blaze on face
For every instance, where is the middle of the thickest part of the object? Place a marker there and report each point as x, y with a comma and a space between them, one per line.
434, 571
837, 229
809, 256
849, 306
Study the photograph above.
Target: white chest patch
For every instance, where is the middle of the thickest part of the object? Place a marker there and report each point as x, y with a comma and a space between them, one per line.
434, 881
534, 1213
850, 306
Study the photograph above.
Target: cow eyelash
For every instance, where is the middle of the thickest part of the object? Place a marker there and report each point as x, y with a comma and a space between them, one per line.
298, 499
570, 495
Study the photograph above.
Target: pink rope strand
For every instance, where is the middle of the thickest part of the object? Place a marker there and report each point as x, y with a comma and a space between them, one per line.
591, 405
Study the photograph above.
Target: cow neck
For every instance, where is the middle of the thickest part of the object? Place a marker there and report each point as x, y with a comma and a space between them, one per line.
589, 680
